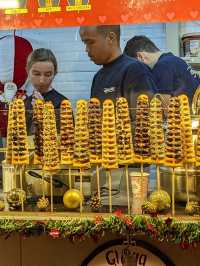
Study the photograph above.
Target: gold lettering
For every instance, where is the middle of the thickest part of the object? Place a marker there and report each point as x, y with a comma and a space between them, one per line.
78, 2
142, 260
48, 3
110, 257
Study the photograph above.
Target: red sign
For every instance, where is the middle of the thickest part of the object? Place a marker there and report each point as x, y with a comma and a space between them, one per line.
59, 13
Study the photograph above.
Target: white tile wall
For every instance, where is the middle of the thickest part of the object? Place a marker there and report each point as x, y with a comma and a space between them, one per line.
75, 70
189, 27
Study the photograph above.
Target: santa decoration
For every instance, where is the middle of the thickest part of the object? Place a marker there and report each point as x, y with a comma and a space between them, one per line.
14, 51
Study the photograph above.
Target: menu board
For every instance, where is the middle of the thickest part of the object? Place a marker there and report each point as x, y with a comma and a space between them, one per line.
60, 13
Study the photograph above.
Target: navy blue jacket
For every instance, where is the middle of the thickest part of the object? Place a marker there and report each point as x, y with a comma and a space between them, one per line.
124, 77
174, 76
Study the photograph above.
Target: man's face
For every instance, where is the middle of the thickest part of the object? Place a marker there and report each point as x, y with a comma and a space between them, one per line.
98, 46
41, 75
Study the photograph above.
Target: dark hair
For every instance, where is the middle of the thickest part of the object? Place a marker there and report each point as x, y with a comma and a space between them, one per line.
41, 55
105, 29
140, 44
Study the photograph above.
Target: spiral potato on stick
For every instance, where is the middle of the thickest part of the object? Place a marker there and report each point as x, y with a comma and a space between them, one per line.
81, 151
157, 141
174, 146
38, 130
95, 131
142, 131
50, 145
109, 141
123, 130
66, 133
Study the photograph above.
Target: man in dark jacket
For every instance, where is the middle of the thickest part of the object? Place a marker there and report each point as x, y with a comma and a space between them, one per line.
172, 75
120, 75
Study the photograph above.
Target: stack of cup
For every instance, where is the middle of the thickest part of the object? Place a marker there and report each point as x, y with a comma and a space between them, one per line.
139, 184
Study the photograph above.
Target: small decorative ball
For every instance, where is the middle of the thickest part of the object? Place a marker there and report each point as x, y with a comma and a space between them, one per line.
15, 197
2, 205
148, 207
95, 203
43, 203
72, 198
161, 199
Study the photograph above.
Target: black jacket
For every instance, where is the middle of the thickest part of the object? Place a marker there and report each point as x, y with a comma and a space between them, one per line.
124, 77
55, 97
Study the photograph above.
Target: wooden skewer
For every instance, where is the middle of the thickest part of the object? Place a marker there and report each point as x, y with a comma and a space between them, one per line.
110, 190
81, 190
43, 194
14, 181
98, 182
70, 177
173, 191
127, 189
51, 185
21, 187
187, 183
158, 176
142, 177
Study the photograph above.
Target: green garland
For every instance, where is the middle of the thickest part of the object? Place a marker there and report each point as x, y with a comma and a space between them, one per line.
168, 230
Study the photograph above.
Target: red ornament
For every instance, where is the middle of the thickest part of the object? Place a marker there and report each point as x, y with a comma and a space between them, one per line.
184, 245
98, 219
150, 228
128, 221
118, 213
55, 233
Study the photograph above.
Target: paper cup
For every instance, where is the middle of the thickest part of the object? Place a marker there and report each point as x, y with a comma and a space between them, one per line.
139, 185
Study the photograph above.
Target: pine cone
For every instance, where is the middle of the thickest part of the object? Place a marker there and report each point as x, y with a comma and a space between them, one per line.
95, 203
192, 208
43, 203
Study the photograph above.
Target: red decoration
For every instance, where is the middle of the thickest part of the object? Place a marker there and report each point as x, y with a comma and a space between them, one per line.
22, 49
118, 213
128, 221
55, 233
184, 245
150, 228
3, 119
98, 219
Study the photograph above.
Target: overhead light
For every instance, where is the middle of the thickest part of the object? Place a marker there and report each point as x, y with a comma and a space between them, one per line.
9, 4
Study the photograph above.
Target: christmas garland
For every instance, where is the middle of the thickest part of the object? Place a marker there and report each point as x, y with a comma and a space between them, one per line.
169, 230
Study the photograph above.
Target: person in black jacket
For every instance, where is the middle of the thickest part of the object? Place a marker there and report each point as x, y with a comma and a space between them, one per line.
120, 75
172, 75
42, 68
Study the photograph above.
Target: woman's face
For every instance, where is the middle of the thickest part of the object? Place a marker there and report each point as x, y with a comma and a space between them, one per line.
41, 75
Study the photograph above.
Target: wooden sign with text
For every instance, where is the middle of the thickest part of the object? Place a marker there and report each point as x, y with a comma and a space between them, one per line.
114, 253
